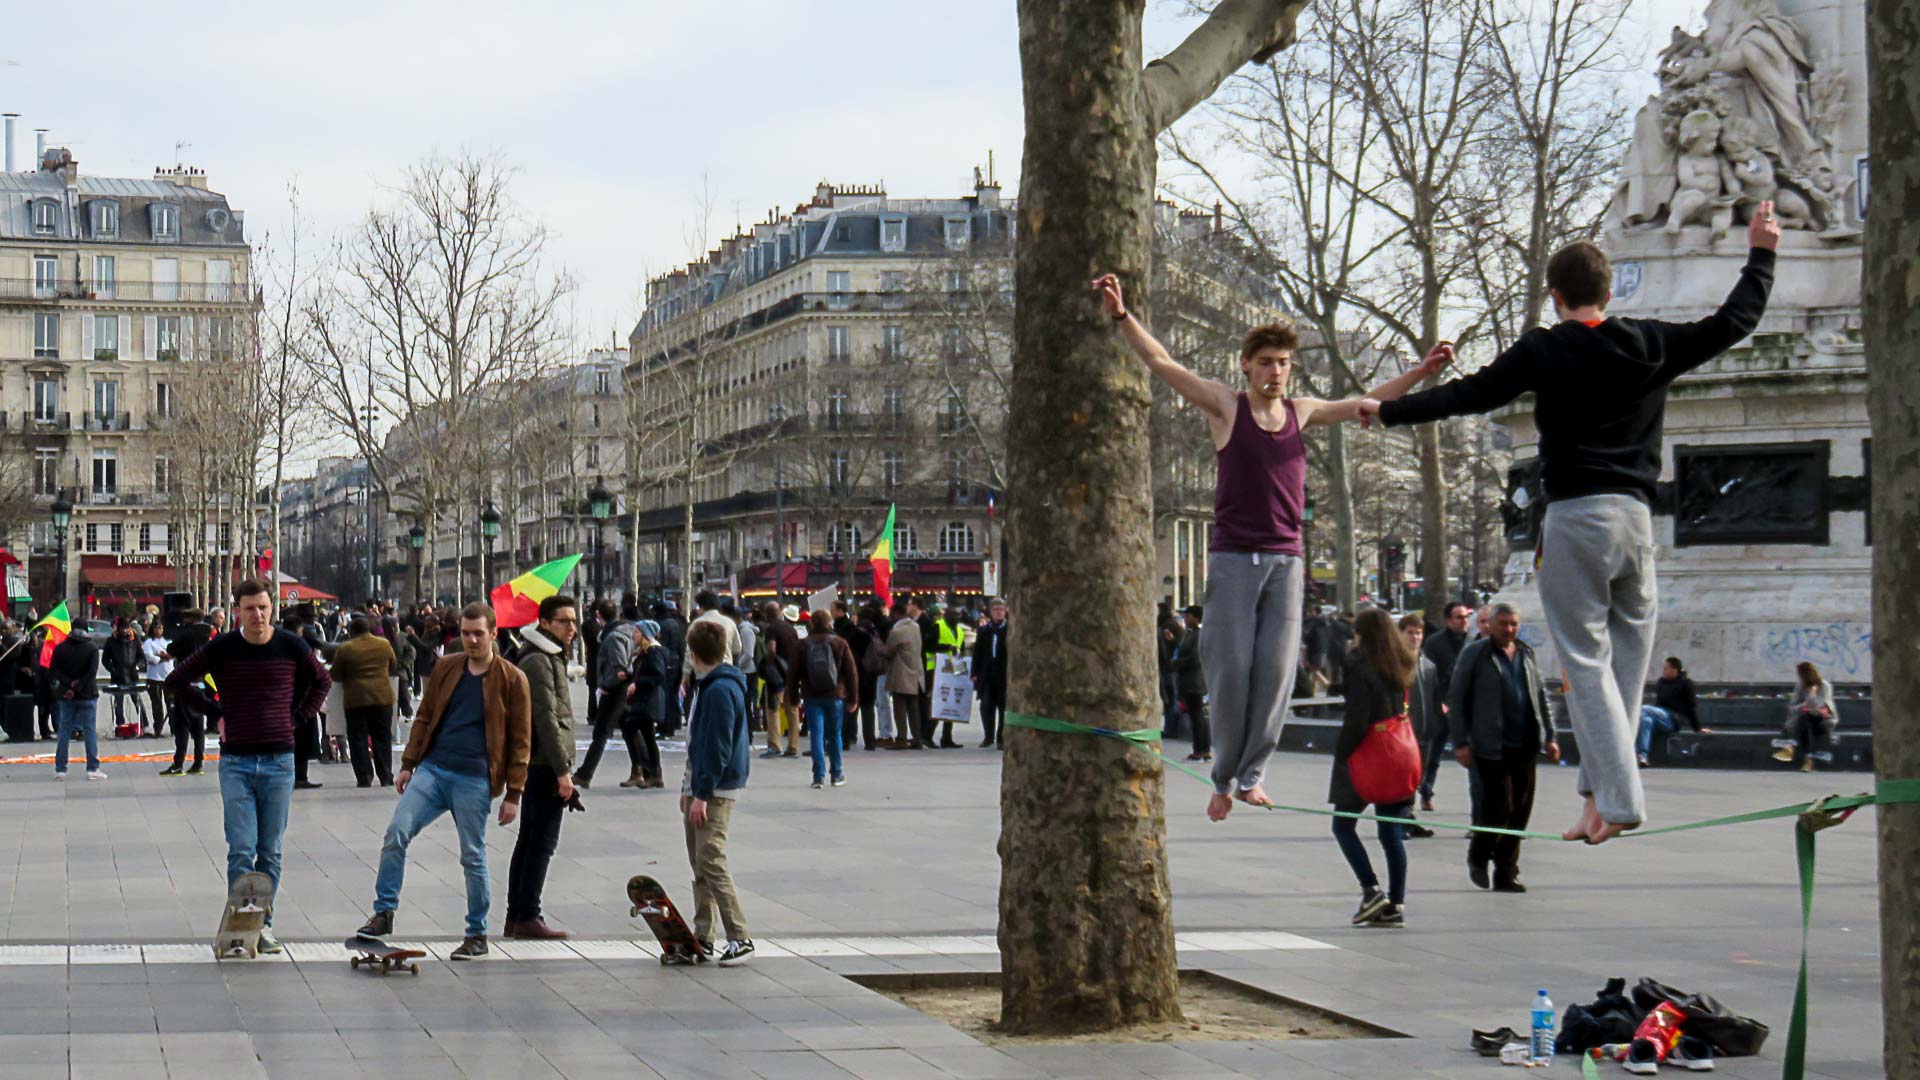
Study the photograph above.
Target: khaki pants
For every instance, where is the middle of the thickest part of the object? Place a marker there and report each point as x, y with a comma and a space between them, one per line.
787, 718
712, 883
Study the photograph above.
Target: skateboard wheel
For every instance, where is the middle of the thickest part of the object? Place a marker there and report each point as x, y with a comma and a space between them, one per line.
355, 961
415, 968
663, 959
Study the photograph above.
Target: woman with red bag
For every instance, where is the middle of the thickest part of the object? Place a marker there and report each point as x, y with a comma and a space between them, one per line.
1376, 762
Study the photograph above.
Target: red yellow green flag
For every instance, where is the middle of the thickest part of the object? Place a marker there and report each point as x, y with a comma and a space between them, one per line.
882, 560
517, 603
58, 627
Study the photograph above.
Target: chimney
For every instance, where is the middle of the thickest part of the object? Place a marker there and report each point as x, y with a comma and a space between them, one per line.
1218, 224
11, 117
39, 145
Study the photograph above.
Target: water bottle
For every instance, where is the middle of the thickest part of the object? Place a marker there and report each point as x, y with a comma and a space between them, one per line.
1541, 1050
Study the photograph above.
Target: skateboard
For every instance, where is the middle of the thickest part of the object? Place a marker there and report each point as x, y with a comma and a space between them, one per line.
249, 902
650, 901
382, 956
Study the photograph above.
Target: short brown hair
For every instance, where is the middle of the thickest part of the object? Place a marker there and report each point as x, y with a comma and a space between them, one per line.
820, 621
1270, 336
1408, 622
707, 642
1581, 274
478, 610
251, 587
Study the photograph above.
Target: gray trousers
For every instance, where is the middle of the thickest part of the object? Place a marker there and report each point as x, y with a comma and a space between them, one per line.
1597, 588
1249, 649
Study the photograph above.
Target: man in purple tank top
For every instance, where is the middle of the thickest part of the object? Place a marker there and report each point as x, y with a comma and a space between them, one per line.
1250, 644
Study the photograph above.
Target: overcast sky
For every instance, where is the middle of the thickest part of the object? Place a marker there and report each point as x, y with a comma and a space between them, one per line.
619, 113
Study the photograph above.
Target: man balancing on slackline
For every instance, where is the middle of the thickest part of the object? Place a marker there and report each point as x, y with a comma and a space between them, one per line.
1600, 396
1250, 644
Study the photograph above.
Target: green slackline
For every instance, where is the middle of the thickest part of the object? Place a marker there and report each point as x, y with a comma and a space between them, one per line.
1812, 817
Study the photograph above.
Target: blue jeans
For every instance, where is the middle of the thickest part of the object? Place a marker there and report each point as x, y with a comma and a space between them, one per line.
1346, 832
823, 729
75, 717
1654, 720
434, 791
255, 791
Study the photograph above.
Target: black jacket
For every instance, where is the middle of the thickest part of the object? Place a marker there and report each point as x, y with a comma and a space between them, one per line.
1188, 674
1473, 703
1600, 392
76, 667
649, 675
1368, 699
125, 662
1676, 696
1443, 649
989, 661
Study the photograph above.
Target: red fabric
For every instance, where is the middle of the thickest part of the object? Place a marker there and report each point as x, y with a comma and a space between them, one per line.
883, 583
1662, 1028
124, 577
512, 610
7, 559
1385, 767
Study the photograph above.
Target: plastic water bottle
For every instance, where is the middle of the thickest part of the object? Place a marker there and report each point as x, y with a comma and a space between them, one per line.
1541, 1050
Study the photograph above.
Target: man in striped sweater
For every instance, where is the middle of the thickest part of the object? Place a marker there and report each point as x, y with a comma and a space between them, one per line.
269, 681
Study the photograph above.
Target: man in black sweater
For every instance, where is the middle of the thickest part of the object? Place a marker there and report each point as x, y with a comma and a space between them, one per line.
74, 672
1600, 395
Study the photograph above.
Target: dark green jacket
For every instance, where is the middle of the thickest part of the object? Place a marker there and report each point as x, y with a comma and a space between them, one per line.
552, 705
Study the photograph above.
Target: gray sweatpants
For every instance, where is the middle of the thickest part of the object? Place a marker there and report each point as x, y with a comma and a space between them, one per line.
1249, 649
1597, 586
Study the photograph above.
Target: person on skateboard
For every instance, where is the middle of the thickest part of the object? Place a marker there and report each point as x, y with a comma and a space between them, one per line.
718, 752
470, 743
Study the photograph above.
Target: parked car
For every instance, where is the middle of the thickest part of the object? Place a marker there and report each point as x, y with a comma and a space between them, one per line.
99, 631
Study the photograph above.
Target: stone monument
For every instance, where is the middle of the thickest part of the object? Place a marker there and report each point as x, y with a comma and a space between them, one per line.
1764, 553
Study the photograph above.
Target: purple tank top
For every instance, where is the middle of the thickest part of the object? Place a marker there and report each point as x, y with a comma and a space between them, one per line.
1260, 485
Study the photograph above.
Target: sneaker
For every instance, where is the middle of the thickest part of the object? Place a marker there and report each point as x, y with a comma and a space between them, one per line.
96, 774
1643, 1058
59, 776
1419, 832
1477, 873
839, 781
472, 948
379, 927
1508, 885
736, 952
270, 945
1783, 754
771, 751
1372, 902
1691, 1053
195, 770
817, 785
791, 752
1391, 917
1641, 760
173, 770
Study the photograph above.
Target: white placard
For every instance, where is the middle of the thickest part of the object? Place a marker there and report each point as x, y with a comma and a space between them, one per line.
953, 688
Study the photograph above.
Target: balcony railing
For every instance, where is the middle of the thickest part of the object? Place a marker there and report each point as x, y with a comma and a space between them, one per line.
48, 423
119, 495
191, 292
105, 421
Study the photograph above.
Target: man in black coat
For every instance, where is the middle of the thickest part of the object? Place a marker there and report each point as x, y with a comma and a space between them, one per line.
1443, 649
1501, 723
189, 722
74, 673
990, 672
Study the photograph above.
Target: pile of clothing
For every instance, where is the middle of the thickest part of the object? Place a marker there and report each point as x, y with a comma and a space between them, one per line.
1656, 1024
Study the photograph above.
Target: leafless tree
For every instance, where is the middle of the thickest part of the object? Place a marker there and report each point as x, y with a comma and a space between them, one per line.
286, 384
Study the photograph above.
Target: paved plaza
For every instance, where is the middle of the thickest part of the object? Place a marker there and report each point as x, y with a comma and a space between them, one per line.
111, 891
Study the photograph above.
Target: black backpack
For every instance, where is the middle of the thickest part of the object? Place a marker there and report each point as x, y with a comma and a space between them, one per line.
823, 675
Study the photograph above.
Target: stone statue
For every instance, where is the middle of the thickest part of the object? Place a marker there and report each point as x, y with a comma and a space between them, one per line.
1752, 177
1702, 174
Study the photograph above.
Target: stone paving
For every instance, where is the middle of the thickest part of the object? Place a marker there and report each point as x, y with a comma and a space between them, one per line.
119, 883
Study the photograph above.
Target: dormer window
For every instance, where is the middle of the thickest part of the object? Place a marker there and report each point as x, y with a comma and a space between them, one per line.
959, 231
893, 233
166, 221
106, 218
46, 217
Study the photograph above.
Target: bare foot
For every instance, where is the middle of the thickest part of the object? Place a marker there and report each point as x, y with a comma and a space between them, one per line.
1218, 808
1253, 796
1593, 828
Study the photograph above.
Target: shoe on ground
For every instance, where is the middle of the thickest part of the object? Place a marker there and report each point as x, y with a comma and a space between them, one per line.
791, 752
306, 785
1643, 1058
196, 770
378, 928
1641, 760
1371, 903
270, 945
1691, 1053
1783, 754
735, 952
472, 948
1195, 757
1419, 832
771, 751
173, 770
96, 774
1477, 873
59, 775
1489, 1043
534, 929
839, 781
817, 785
634, 781
1391, 917
1508, 885
583, 784
1426, 805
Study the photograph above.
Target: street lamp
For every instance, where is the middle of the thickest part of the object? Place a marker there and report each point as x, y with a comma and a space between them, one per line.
62, 516
417, 540
600, 505
489, 531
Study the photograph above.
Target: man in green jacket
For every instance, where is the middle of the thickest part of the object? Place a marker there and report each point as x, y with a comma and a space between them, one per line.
550, 772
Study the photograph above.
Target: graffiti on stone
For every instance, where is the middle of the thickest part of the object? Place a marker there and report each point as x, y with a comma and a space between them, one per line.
1837, 649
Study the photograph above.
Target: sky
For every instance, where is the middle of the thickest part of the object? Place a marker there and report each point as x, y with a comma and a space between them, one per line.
622, 116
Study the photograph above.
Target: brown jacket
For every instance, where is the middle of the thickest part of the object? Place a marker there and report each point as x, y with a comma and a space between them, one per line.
849, 672
360, 667
509, 713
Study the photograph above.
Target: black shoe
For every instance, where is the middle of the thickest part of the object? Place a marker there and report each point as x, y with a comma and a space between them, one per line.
1490, 1043
196, 770
1391, 917
379, 927
736, 952
1509, 885
173, 770
1372, 902
1419, 832
1477, 873
305, 785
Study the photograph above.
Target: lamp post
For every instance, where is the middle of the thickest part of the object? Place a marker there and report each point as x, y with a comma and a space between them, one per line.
489, 531
62, 516
600, 505
417, 540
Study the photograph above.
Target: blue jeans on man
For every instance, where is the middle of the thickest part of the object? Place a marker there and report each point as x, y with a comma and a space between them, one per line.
823, 715
1654, 720
75, 717
255, 791
434, 791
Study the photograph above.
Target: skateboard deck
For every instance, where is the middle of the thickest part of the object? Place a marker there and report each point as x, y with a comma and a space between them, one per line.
650, 902
249, 902
378, 955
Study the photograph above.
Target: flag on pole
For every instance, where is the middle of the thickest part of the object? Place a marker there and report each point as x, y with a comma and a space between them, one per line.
882, 560
58, 627
517, 603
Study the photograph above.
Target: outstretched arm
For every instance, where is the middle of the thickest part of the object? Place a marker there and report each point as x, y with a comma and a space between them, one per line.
1314, 413
1209, 396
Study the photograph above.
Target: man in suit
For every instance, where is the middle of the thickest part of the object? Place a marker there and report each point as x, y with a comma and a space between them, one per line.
990, 672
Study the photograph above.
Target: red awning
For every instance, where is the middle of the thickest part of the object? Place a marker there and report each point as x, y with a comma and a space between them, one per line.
296, 593
124, 577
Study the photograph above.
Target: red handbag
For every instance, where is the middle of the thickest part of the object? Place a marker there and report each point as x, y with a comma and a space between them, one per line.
1385, 768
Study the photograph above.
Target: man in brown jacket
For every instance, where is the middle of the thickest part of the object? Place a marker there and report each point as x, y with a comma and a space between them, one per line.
361, 667
470, 742
824, 681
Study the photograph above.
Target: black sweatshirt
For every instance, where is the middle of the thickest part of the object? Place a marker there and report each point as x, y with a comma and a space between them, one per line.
1600, 391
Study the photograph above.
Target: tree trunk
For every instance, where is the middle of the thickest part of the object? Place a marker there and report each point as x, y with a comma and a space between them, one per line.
1346, 547
1086, 920
1892, 329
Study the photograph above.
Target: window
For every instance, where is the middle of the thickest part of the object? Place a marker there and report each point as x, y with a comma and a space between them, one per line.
46, 398
219, 279
843, 539
46, 217
46, 470
893, 234
41, 537
93, 536
219, 338
46, 336
146, 537
893, 343
842, 233
166, 338
893, 406
166, 279
956, 539
103, 276
956, 281
166, 222
162, 400
959, 231
106, 337
226, 536
596, 414
46, 276
106, 218
838, 403
837, 470
839, 344
954, 418
904, 539
893, 281
115, 536
106, 474
839, 288
957, 473
106, 403
603, 383
893, 468
162, 474
593, 455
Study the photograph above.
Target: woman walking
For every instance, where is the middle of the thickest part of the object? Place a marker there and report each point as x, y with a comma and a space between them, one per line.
645, 694
1379, 671
1810, 716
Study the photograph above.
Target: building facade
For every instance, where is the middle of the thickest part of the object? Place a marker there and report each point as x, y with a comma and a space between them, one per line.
123, 304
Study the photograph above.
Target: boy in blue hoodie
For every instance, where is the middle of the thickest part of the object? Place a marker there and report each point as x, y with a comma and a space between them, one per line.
718, 750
